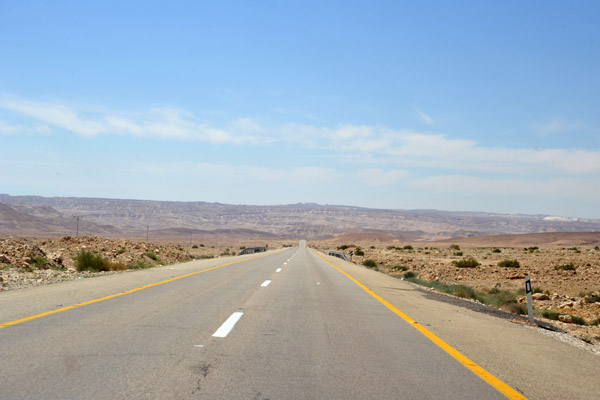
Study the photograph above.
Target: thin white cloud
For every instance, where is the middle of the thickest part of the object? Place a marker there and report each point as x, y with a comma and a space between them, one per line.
470, 185
8, 129
424, 117
376, 144
556, 126
227, 174
165, 123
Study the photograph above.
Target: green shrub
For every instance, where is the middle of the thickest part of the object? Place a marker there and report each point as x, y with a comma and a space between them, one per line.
398, 268
88, 261
465, 292
195, 246
597, 248
370, 263
391, 248
410, 275
458, 253
372, 247
121, 251
566, 267
407, 247
359, 252
468, 262
152, 256
595, 322
454, 247
496, 251
509, 264
578, 320
39, 262
552, 315
139, 265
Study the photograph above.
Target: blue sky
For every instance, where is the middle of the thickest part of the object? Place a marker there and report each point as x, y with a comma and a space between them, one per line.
479, 105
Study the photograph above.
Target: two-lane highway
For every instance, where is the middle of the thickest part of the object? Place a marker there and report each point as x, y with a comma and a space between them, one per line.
287, 325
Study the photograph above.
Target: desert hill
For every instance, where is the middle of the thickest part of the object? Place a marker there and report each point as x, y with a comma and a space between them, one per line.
135, 218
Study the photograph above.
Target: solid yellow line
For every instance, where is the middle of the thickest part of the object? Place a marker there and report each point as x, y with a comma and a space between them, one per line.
461, 358
112, 296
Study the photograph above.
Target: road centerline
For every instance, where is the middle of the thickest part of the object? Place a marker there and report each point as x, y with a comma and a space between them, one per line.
266, 283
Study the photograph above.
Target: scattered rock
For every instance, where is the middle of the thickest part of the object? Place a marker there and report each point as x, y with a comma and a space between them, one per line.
567, 319
540, 296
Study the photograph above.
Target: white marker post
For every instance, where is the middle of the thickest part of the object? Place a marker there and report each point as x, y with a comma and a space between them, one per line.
529, 300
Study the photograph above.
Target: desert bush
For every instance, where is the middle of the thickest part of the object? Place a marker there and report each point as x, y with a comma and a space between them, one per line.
39, 262
152, 256
410, 275
458, 253
407, 247
454, 247
595, 322
372, 247
390, 248
549, 314
359, 252
597, 248
121, 250
591, 299
468, 262
496, 251
398, 268
578, 320
509, 264
195, 246
370, 263
88, 261
565, 267
139, 265
466, 292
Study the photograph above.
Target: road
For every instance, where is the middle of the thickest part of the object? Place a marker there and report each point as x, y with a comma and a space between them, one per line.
285, 325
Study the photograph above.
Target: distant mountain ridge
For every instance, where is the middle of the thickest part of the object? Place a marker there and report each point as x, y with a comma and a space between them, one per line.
119, 217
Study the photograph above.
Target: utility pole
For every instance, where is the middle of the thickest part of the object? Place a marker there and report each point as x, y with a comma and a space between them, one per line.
77, 229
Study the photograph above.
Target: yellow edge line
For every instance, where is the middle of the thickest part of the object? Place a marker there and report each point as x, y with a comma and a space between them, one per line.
85, 303
461, 358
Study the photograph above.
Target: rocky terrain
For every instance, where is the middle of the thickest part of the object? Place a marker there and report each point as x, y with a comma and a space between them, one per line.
32, 215
567, 279
32, 262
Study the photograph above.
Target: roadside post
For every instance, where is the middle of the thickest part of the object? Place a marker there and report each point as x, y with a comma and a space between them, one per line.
351, 254
529, 300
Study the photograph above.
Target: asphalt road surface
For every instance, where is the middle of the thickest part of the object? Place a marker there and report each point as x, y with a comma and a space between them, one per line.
285, 325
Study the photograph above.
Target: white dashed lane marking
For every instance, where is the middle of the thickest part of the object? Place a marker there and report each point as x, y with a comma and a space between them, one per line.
265, 283
228, 325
